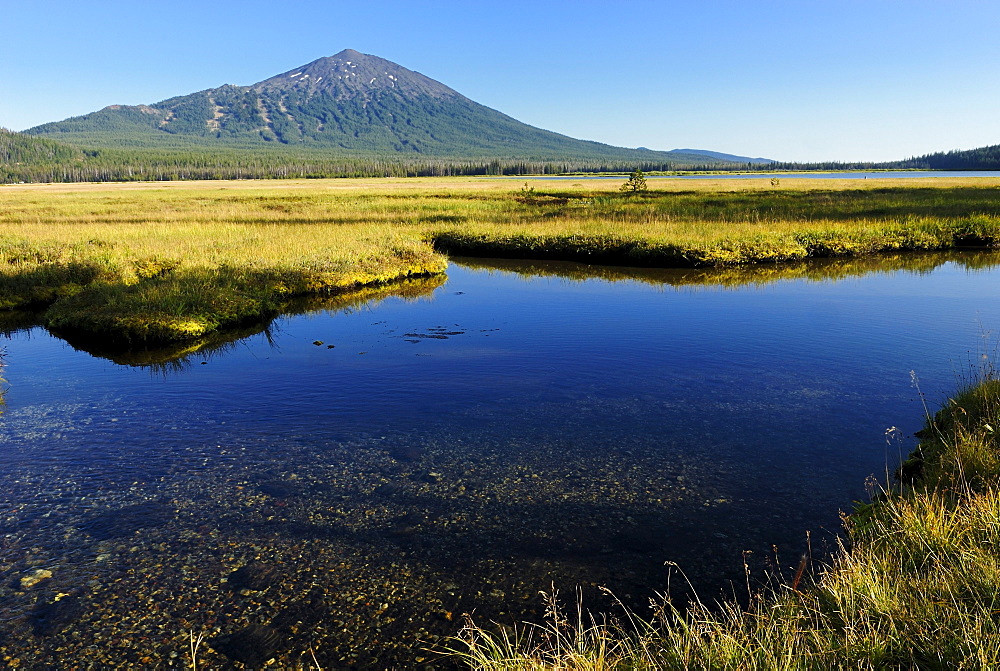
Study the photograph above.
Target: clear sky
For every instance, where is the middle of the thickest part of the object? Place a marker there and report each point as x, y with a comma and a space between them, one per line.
798, 80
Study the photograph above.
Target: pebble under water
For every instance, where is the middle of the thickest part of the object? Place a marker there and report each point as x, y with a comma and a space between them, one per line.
345, 485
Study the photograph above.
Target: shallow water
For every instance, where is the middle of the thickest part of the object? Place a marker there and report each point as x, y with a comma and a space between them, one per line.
460, 449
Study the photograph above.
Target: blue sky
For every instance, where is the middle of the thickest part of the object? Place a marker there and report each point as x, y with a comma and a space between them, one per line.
797, 80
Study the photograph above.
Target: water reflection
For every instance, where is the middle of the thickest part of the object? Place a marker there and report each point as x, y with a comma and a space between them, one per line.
13, 321
815, 270
178, 356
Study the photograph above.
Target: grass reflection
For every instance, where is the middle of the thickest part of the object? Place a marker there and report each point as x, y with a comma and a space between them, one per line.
816, 270
178, 356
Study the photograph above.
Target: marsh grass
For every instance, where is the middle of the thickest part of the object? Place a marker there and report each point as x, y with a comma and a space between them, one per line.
155, 262
713, 224
914, 585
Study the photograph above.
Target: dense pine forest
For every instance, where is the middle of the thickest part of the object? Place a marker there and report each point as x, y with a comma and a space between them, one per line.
983, 158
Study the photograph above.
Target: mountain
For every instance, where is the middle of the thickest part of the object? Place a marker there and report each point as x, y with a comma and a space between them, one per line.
352, 104
730, 158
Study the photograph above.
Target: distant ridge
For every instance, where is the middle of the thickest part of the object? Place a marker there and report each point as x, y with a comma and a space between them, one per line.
732, 158
350, 103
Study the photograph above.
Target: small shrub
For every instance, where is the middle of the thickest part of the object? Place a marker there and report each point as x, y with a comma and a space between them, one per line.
636, 182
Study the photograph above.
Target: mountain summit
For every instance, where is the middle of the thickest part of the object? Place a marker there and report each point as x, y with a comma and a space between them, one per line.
352, 75
350, 104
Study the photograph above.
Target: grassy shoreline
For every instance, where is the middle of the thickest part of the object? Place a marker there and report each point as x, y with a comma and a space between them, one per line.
915, 585
154, 263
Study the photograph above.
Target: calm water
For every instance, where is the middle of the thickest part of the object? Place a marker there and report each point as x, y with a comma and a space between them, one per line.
356, 478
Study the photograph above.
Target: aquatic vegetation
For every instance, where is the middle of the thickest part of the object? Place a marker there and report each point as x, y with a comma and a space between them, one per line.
914, 586
719, 224
188, 305
655, 245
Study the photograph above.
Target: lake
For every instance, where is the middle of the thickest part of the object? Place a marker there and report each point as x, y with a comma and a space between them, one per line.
356, 475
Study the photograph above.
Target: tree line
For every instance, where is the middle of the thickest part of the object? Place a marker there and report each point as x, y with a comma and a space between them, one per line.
26, 158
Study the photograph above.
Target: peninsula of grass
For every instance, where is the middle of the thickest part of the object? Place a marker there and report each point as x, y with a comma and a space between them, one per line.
152, 266
698, 224
915, 585
162, 262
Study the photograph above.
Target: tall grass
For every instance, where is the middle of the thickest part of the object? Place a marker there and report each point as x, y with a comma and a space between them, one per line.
916, 584
160, 262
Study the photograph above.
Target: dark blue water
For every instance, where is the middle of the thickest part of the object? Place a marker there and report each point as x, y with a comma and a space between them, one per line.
461, 449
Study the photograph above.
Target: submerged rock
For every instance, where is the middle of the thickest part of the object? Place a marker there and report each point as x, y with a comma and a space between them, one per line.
432, 477
254, 577
253, 645
126, 521
406, 453
302, 613
35, 577
280, 489
51, 617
